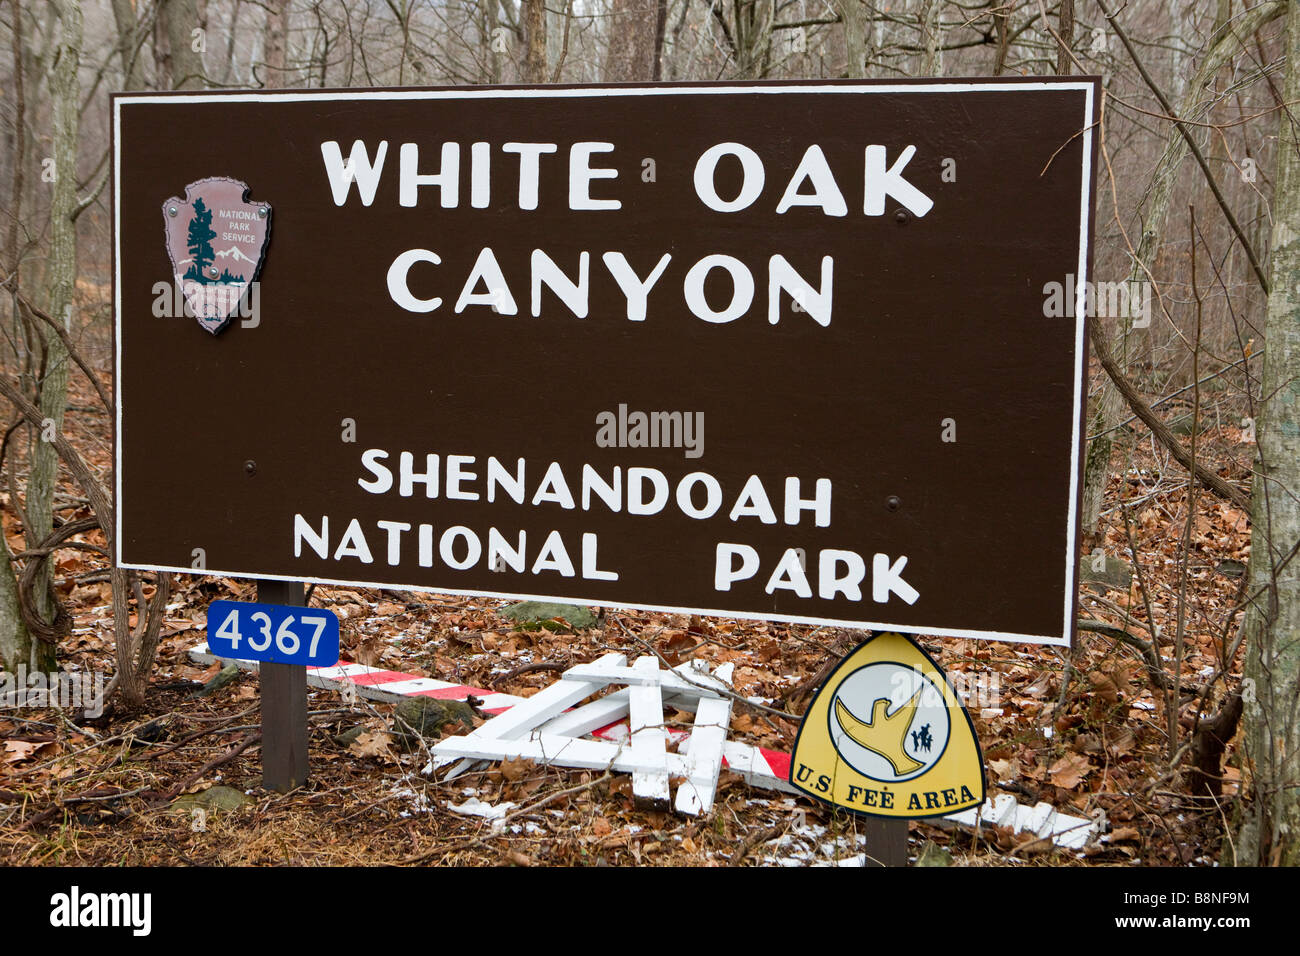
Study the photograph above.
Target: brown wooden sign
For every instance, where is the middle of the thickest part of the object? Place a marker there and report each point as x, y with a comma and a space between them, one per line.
770, 350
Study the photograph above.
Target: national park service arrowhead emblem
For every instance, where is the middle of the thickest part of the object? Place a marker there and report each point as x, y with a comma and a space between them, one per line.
887, 736
216, 239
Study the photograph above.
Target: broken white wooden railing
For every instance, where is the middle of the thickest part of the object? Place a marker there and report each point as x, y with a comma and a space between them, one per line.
548, 712
542, 728
1043, 820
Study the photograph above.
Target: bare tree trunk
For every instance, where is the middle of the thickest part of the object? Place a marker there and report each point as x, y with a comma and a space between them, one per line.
12, 258
857, 25
16, 645
657, 53
277, 44
1003, 30
65, 91
1182, 22
753, 37
491, 23
1065, 31
232, 32
534, 16
1271, 690
177, 22
632, 40
124, 18
15, 640
932, 37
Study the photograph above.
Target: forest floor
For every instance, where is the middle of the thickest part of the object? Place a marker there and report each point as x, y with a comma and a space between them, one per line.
1086, 731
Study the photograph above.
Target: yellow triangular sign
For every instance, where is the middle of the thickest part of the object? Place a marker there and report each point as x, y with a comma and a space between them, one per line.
887, 736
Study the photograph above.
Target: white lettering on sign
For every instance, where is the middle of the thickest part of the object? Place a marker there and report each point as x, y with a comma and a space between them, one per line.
646, 490
487, 285
812, 184
740, 562
879, 182
358, 168
638, 490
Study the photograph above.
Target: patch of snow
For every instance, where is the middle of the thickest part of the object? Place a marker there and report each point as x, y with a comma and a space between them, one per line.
419, 802
807, 845
474, 807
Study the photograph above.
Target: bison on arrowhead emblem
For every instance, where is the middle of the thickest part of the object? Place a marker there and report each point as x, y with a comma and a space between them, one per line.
216, 239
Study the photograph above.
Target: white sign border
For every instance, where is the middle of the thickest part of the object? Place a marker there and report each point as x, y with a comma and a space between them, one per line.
1087, 87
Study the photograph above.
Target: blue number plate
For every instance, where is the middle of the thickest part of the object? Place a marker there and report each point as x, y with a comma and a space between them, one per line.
272, 632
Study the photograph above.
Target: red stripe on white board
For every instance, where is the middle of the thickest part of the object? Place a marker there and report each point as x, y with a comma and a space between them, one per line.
377, 678
765, 761
456, 692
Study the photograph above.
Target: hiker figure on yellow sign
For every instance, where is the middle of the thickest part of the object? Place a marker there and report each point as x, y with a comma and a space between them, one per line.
921, 739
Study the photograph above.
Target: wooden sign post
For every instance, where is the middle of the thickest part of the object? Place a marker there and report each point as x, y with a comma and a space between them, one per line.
886, 841
284, 704
285, 640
